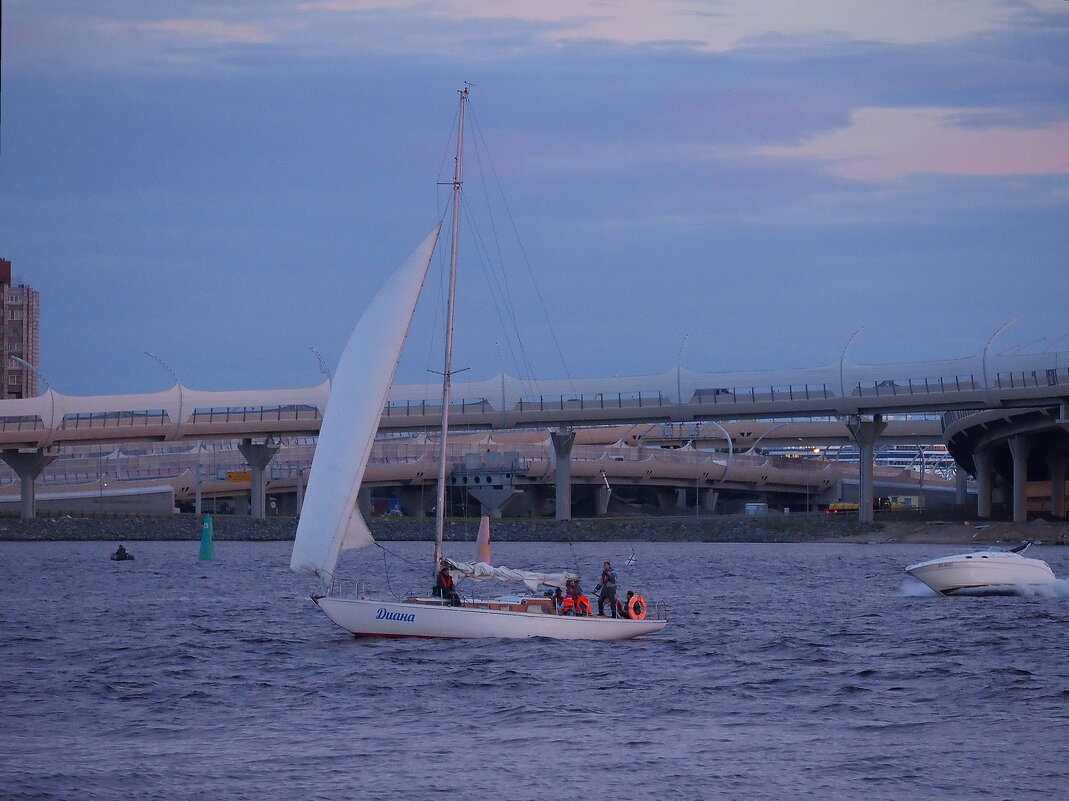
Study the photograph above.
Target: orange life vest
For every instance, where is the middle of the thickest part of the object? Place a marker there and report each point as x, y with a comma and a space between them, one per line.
582, 605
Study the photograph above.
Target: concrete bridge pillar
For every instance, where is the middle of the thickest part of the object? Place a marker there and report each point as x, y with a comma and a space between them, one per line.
363, 502
563, 440
602, 495
28, 466
258, 455
532, 503
287, 504
681, 498
416, 500
1056, 466
1020, 446
865, 434
961, 488
985, 482
667, 498
707, 499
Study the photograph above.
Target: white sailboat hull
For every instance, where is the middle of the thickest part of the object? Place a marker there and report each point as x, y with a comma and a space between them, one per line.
394, 619
982, 569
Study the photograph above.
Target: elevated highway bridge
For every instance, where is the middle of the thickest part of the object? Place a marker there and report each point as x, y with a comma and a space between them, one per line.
863, 402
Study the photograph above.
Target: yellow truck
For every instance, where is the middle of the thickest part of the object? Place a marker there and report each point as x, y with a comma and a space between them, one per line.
842, 507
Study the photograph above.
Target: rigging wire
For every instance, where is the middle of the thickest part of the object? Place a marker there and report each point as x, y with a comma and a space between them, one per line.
575, 556
386, 566
488, 250
510, 328
499, 281
478, 134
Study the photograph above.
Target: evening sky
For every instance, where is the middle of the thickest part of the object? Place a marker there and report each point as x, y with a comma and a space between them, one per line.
735, 184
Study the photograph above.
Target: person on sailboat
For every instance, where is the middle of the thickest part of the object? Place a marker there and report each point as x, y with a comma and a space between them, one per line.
625, 608
607, 590
575, 603
444, 587
582, 606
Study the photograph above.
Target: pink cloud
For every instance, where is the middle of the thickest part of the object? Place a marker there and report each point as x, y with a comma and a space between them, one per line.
211, 29
712, 24
881, 144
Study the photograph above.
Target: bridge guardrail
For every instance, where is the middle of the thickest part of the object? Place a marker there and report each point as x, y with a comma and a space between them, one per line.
21, 422
598, 407
246, 414
1032, 378
130, 419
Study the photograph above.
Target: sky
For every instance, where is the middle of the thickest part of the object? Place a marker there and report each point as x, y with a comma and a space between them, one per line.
717, 184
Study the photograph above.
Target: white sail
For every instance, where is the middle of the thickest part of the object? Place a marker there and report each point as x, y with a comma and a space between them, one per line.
481, 570
330, 521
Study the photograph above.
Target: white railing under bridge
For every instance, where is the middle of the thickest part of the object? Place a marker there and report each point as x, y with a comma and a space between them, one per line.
680, 395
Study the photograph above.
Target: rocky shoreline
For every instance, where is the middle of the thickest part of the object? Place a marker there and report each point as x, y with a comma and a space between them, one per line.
771, 528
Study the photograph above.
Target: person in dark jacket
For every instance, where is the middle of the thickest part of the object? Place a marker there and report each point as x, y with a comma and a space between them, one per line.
444, 587
625, 607
607, 591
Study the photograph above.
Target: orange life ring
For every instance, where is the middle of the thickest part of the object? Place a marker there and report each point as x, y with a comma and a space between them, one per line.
636, 607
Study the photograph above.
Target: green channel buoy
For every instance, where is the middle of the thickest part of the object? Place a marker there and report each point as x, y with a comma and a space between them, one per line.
207, 541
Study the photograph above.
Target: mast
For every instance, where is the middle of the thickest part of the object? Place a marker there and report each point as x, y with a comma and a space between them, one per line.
447, 367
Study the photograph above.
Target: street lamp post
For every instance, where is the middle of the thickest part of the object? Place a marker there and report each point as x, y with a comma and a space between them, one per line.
324, 368
807, 474
47, 383
177, 383
983, 358
679, 371
842, 358
765, 434
731, 448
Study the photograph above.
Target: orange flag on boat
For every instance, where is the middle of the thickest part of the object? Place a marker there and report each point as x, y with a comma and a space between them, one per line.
482, 544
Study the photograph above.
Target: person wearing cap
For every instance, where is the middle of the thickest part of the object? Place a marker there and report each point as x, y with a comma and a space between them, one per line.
444, 587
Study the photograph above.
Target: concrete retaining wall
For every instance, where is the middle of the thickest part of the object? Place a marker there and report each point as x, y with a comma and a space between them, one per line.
662, 529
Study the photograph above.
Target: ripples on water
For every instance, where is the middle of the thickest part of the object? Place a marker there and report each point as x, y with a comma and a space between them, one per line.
788, 671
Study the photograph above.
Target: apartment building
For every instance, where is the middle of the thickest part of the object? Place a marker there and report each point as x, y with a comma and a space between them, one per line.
21, 337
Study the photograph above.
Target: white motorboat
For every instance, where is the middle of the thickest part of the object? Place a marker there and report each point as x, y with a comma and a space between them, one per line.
331, 523
993, 570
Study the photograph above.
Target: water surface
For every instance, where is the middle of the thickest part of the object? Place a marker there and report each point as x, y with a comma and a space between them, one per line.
787, 671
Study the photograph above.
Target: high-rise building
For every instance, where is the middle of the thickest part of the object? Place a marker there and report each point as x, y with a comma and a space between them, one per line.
21, 336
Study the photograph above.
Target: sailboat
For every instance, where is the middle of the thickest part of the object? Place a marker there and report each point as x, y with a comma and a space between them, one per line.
331, 522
